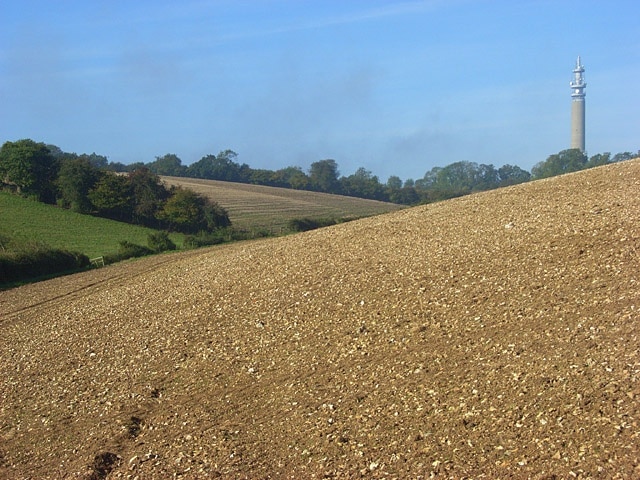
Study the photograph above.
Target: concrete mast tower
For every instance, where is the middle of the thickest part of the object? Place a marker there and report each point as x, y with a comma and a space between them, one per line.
578, 86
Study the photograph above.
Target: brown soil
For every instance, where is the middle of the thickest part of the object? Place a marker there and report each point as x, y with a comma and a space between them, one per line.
491, 336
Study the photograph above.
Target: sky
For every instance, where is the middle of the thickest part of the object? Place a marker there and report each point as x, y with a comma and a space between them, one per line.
396, 87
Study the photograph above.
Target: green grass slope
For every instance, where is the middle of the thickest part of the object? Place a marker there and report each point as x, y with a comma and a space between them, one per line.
27, 220
251, 207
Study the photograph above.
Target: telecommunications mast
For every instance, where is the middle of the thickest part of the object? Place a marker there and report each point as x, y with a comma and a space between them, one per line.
578, 86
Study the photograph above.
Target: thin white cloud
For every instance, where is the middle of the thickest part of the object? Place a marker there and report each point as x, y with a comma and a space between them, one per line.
360, 16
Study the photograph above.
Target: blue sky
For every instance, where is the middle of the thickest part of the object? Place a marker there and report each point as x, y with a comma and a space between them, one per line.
396, 87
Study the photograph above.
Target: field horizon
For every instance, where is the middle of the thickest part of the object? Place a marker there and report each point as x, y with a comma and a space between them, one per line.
489, 336
271, 208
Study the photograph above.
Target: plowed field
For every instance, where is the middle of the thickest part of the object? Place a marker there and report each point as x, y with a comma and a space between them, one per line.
491, 336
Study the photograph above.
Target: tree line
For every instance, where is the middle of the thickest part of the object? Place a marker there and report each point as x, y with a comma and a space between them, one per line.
439, 183
85, 184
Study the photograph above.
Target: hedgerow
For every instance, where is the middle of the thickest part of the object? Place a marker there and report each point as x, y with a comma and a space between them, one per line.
35, 260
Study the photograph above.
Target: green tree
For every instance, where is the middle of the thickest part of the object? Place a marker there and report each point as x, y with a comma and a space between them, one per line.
215, 215
566, 161
291, 177
148, 195
485, 177
220, 167
394, 182
297, 178
397, 193
512, 175
132, 167
203, 168
428, 181
56, 151
323, 176
599, 159
169, 164
404, 196
262, 176
183, 211
121, 167
76, 177
98, 161
189, 212
111, 197
225, 162
622, 156
160, 242
30, 168
362, 184
456, 179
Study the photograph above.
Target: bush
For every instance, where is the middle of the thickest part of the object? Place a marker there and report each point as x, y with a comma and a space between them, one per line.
36, 260
127, 250
221, 235
306, 224
189, 212
160, 242
130, 250
204, 239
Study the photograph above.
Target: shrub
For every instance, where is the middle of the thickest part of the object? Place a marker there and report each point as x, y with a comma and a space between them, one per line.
306, 224
221, 235
160, 242
127, 250
204, 239
189, 212
36, 260
130, 250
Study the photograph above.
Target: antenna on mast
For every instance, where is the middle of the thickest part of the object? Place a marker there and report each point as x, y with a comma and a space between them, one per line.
578, 86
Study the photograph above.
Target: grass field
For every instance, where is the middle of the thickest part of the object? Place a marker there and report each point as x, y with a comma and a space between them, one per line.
27, 220
269, 208
250, 207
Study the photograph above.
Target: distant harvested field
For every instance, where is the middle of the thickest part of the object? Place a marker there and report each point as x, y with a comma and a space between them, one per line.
270, 208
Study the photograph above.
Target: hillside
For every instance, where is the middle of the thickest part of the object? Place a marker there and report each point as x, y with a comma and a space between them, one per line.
271, 208
491, 336
27, 220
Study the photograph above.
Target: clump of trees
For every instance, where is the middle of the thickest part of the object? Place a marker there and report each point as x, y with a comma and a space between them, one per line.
573, 160
83, 184
28, 167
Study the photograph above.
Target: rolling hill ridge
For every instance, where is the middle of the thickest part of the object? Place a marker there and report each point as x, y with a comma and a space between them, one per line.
489, 336
271, 208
